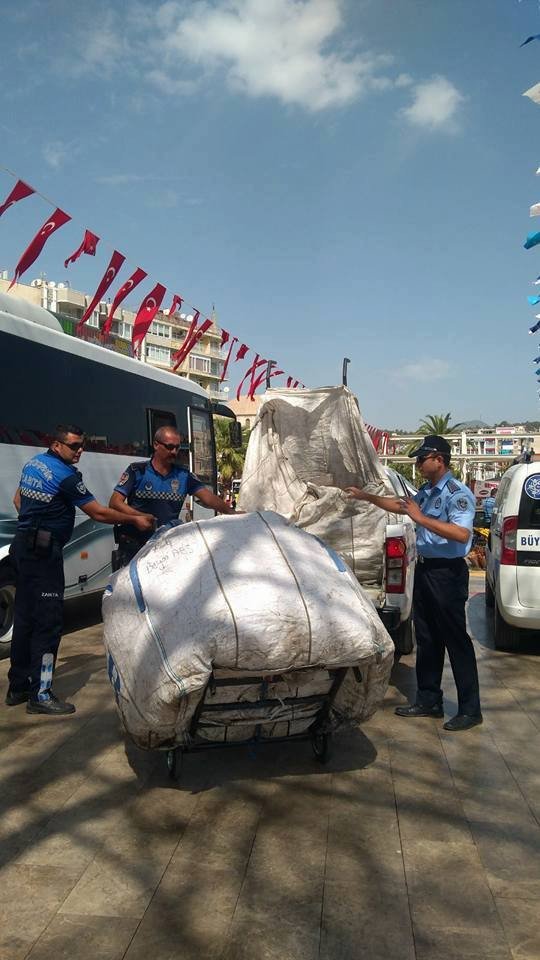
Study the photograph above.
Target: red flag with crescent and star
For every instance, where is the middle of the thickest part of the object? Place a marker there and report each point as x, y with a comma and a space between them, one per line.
19, 192
224, 337
115, 263
188, 345
242, 350
228, 359
34, 248
180, 355
126, 288
89, 244
176, 303
146, 313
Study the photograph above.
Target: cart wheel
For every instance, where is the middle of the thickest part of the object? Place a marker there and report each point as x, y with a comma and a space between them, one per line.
321, 746
174, 763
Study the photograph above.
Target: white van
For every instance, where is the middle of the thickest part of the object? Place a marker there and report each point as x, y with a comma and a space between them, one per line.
513, 556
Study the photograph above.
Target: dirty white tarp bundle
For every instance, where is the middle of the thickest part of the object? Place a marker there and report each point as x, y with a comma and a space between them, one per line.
248, 593
305, 446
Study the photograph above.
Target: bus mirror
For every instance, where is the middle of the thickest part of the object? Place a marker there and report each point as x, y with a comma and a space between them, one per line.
235, 434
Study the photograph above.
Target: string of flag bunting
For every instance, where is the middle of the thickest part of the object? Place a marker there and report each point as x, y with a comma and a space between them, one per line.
259, 369
533, 238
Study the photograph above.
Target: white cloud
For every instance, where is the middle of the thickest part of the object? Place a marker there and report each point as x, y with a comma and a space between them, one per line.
434, 105
425, 370
55, 154
278, 48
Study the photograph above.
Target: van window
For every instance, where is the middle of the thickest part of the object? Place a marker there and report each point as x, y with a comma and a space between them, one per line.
157, 419
529, 506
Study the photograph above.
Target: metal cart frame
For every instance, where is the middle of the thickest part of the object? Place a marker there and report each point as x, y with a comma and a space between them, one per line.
318, 732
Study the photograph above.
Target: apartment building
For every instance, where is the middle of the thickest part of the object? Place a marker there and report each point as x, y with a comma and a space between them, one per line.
204, 365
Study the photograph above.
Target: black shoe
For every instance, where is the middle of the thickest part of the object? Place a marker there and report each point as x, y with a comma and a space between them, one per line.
16, 697
417, 710
463, 721
52, 706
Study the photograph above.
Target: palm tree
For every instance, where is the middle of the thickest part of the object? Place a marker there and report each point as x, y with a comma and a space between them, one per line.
230, 461
437, 423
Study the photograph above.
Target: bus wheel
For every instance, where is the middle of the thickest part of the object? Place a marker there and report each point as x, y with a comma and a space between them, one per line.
7, 607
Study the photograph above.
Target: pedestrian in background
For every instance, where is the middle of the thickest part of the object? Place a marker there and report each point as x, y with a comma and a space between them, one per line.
489, 503
443, 510
50, 489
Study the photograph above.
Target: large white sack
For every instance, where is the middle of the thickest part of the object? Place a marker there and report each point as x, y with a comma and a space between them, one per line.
305, 446
248, 593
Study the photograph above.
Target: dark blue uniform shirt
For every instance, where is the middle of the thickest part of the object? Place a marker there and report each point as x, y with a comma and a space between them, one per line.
147, 490
50, 490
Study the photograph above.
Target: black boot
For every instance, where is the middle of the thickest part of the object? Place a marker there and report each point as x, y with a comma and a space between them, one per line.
16, 697
417, 710
51, 706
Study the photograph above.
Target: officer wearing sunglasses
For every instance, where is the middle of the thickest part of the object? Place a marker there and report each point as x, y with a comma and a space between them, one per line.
50, 489
158, 486
443, 510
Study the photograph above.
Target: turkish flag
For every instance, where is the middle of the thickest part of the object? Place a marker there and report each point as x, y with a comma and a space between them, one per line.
224, 337
19, 192
146, 313
196, 336
176, 302
115, 263
242, 350
226, 364
33, 250
89, 244
126, 288
178, 357
250, 372
259, 381
289, 381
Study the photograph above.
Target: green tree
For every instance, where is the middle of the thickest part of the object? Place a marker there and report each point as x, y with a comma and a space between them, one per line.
230, 460
438, 423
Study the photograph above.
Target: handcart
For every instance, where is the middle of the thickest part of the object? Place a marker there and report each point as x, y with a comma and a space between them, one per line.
236, 704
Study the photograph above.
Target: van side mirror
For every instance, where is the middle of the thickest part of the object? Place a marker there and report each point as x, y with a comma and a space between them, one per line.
235, 434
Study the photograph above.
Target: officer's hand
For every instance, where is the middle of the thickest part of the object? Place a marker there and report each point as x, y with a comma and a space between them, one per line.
412, 510
354, 493
144, 522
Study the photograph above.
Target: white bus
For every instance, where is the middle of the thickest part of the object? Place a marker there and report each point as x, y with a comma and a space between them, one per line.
48, 377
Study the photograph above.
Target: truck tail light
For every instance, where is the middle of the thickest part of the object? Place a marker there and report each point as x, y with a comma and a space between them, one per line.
396, 564
509, 541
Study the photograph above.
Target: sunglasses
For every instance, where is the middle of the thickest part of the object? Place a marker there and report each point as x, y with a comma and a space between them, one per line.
169, 446
73, 446
428, 456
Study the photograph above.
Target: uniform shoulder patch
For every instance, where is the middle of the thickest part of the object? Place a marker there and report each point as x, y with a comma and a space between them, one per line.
124, 478
81, 488
462, 503
453, 486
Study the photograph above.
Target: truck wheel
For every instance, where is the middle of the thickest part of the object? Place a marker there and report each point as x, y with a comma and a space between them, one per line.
505, 637
7, 607
403, 637
489, 596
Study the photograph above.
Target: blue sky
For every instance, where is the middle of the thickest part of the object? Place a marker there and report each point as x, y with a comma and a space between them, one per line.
340, 177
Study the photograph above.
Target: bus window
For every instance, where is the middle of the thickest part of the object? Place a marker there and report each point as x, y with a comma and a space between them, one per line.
157, 419
202, 446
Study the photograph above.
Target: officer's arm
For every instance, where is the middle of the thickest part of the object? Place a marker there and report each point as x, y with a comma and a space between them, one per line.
208, 499
17, 500
119, 502
95, 510
391, 504
450, 531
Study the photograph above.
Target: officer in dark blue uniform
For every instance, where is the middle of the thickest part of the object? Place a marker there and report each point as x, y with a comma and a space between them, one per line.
50, 489
443, 510
158, 486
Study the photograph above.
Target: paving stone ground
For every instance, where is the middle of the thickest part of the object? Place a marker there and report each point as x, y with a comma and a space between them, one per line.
411, 844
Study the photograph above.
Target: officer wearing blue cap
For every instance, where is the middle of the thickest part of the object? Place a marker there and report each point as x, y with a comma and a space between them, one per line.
443, 510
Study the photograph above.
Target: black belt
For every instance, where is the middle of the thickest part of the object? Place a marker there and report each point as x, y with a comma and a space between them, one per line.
440, 561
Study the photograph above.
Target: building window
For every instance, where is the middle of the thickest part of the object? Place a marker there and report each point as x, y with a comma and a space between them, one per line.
93, 321
160, 329
125, 330
159, 354
202, 364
